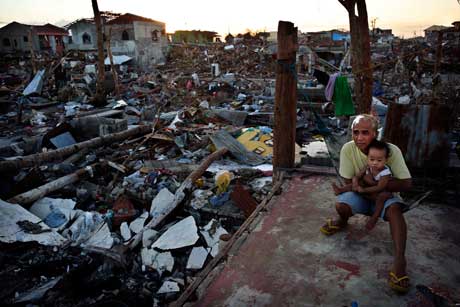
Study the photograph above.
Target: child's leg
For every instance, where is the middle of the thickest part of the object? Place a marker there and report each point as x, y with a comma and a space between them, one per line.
379, 204
341, 189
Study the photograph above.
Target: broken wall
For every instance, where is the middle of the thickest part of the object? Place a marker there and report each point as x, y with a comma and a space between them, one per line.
18, 36
147, 42
78, 30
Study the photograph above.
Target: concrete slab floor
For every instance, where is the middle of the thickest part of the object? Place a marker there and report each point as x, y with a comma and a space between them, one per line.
286, 261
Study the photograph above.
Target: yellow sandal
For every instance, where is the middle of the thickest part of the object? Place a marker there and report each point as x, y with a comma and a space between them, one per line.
395, 283
330, 229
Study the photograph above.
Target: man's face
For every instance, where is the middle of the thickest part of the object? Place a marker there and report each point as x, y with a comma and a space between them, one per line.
363, 134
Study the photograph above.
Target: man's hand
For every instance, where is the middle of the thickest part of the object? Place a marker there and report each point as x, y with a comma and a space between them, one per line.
371, 223
360, 189
355, 184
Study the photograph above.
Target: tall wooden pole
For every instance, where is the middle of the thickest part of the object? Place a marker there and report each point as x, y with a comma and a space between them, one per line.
32, 53
360, 53
285, 97
100, 91
114, 71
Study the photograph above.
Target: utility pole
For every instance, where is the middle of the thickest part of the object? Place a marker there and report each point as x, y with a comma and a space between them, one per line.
285, 98
99, 98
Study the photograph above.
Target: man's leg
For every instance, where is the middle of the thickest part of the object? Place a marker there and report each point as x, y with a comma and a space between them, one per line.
347, 204
398, 229
344, 211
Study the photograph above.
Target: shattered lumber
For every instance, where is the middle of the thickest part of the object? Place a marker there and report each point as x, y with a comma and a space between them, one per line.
180, 193
40, 158
42, 191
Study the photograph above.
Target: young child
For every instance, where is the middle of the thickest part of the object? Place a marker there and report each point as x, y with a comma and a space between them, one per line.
372, 180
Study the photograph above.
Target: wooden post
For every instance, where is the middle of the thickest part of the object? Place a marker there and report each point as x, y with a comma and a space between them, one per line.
360, 52
114, 71
285, 97
32, 53
100, 91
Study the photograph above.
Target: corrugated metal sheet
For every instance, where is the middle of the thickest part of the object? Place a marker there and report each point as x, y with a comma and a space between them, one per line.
421, 132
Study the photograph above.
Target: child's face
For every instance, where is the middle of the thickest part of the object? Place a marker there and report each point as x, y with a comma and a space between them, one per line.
376, 159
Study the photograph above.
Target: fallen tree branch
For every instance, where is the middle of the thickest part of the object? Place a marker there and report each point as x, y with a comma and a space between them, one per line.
59, 154
37, 193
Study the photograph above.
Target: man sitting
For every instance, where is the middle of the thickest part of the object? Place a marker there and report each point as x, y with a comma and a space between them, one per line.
353, 158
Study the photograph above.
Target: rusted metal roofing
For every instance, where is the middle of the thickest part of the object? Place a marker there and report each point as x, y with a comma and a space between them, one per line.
49, 29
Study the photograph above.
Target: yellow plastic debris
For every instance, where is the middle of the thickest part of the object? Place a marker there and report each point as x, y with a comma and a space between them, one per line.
254, 141
222, 180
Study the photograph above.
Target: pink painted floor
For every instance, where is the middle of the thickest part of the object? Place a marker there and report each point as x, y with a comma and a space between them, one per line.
286, 261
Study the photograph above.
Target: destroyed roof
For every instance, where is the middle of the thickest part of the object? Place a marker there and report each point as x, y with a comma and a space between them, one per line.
129, 18
13, 24
105, 15
435, 28
50, 29
47, 29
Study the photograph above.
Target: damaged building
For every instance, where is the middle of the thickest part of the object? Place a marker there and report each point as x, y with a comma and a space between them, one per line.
18, 37
142, 39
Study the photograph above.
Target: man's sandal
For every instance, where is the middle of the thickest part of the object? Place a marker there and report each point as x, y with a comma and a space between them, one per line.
330, 229
395, 283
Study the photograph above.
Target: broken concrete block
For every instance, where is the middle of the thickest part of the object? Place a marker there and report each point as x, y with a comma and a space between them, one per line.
11, 232
148, 237
197, 257
211, 233
163, 262
43, 207
159, 261
181, 234
100, 238
112, 125
137, 225
161, 203
125, 232
168, 287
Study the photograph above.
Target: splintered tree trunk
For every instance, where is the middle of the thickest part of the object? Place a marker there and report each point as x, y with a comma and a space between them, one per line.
361, 53
100, 91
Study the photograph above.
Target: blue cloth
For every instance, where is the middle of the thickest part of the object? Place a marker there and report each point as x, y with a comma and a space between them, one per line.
55, 219
219, 200
362, 205
377, 89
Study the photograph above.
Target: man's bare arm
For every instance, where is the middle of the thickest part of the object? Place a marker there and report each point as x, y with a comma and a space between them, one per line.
381, 186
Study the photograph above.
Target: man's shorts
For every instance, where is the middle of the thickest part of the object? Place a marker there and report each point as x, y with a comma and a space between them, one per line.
362, 205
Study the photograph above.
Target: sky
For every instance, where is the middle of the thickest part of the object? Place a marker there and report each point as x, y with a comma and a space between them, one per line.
405, 17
